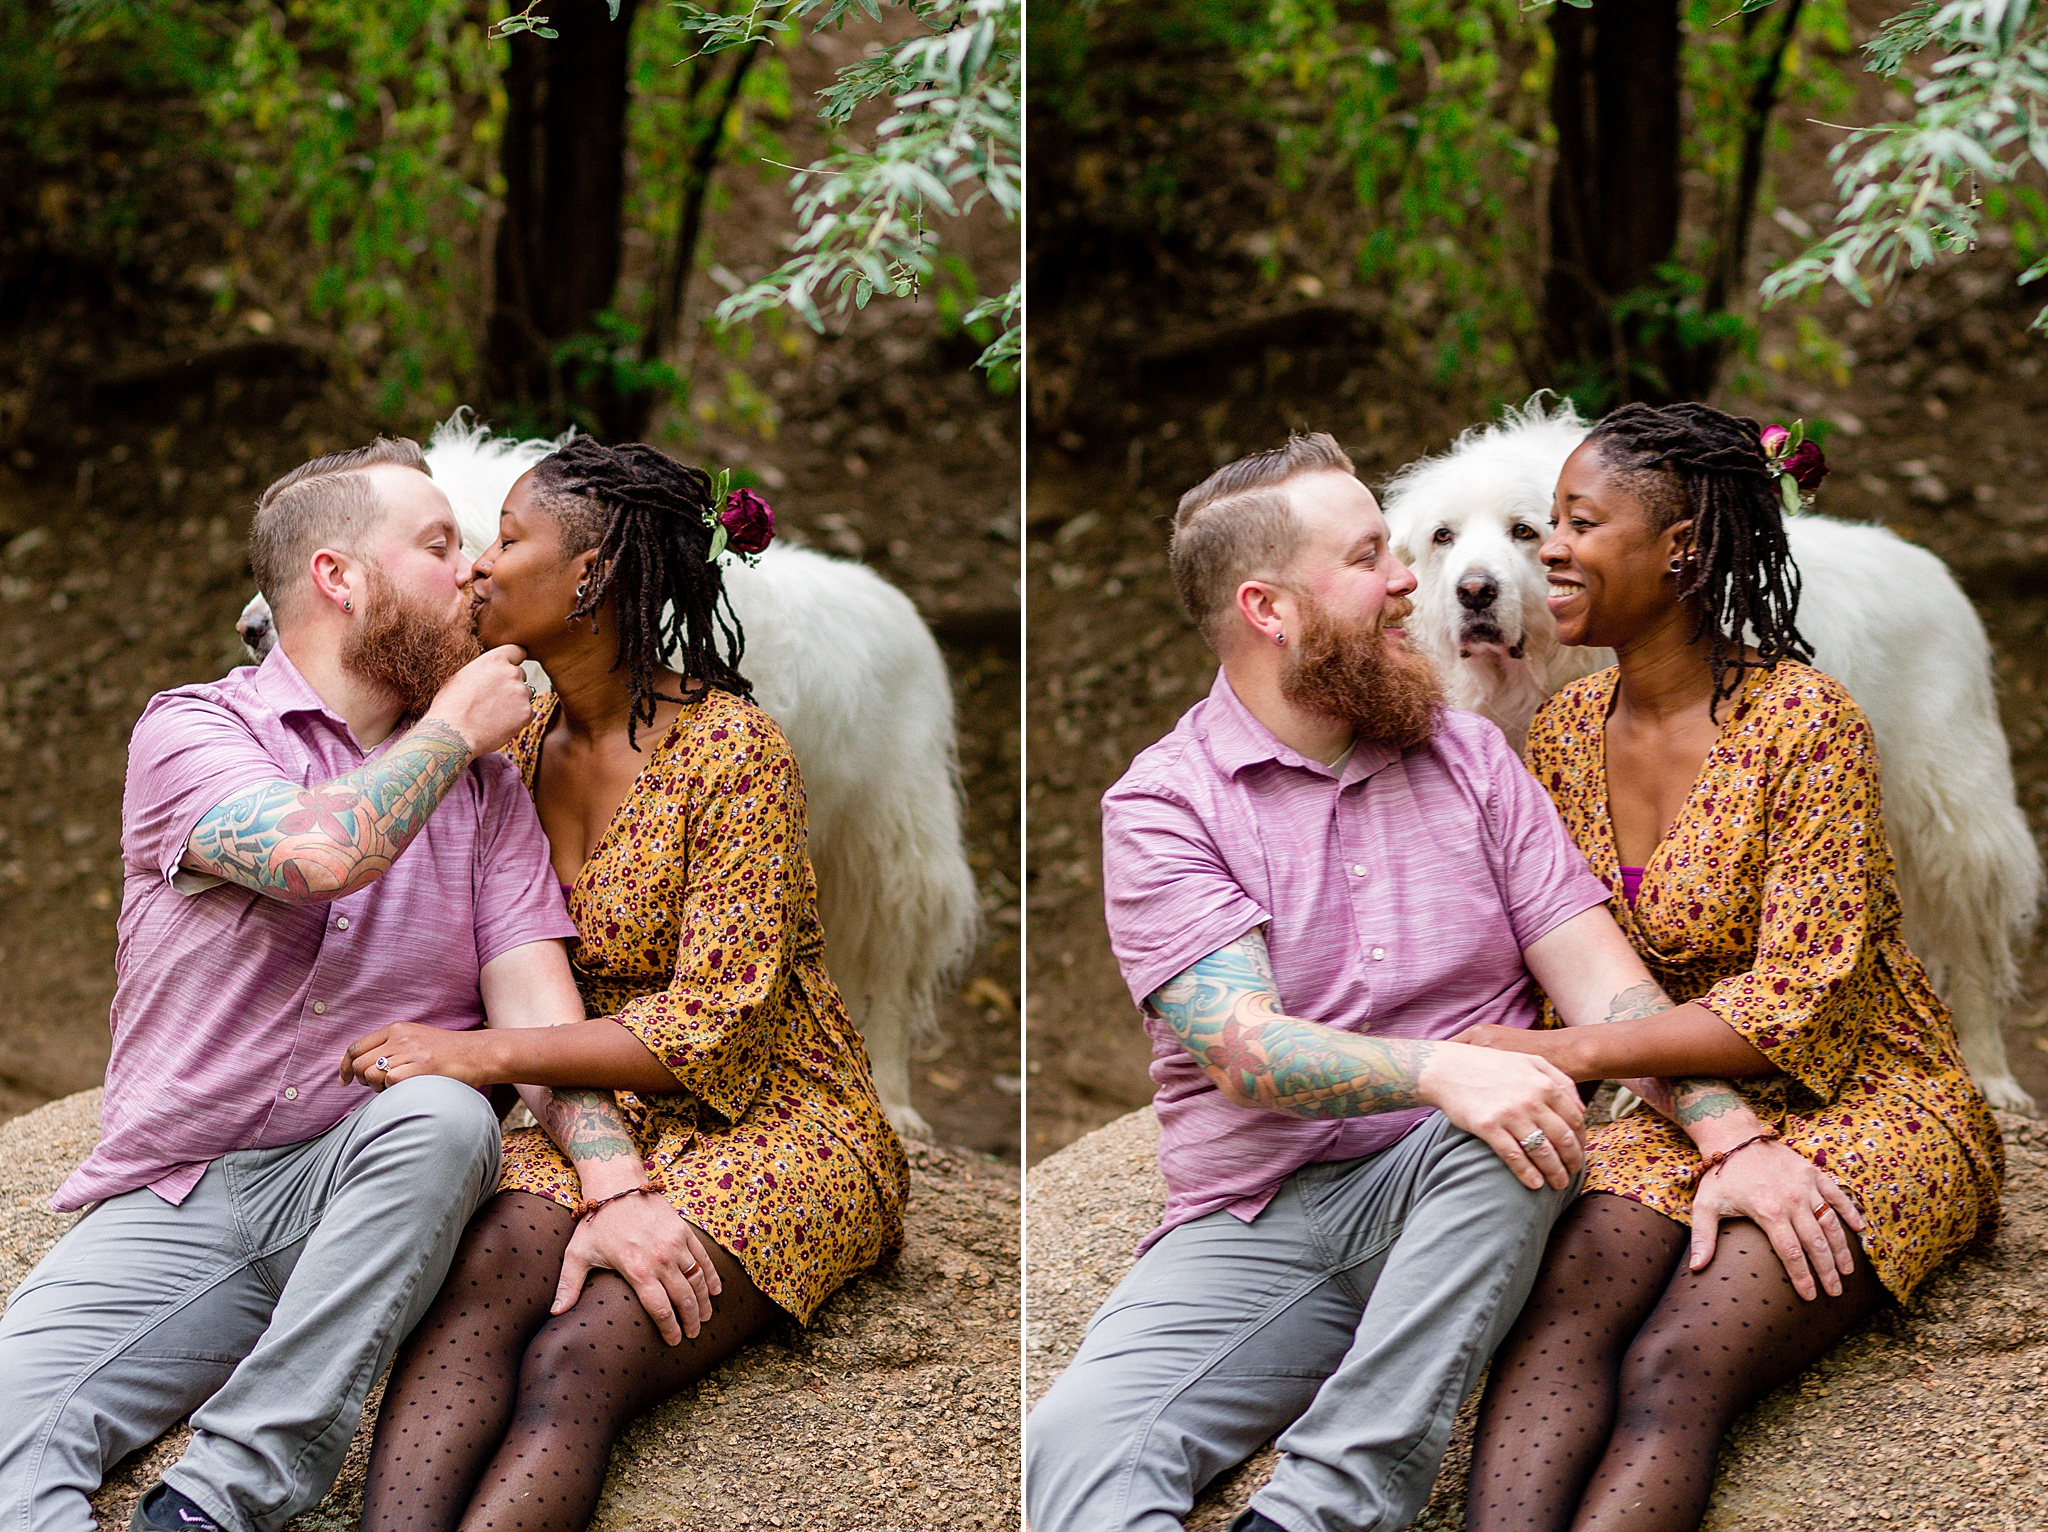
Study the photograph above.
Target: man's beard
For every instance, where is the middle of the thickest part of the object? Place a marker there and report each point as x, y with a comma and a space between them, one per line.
1387, 694
404, 646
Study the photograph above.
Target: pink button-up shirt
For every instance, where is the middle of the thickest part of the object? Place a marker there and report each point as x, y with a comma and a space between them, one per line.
232, 1008
1397, 896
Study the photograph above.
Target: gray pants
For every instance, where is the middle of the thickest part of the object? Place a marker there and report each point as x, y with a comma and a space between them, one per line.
1360, 1306
264, 1306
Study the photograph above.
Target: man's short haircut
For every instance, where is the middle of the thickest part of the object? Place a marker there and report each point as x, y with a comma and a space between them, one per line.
1238, 522
327, 503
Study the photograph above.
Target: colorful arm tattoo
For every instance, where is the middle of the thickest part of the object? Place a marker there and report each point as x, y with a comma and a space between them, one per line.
1226, 1012
306, 844
586, 1126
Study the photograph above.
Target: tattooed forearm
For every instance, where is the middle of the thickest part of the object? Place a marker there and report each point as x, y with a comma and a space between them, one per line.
1226, 1012
303, 844
1696, 1101
1692, 1101
1637, 1001
586, 1125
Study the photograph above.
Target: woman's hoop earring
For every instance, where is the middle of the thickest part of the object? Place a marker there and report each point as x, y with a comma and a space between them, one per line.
1678, 566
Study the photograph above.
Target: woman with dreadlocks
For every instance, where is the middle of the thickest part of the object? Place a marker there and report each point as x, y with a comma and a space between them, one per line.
730, 1161
1806, 1076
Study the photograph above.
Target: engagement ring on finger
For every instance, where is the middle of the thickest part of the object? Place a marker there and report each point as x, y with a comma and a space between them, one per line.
384, 1064
1535, 1141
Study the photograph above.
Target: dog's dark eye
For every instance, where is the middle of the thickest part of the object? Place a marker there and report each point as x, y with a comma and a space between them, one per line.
1524, 532
1441, 537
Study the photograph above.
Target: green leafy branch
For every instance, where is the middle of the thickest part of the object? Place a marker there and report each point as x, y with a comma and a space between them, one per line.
528, 21
1914, 191
952, 139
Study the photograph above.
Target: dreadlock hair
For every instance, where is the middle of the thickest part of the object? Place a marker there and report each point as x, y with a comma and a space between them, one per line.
1691, 460
645, 514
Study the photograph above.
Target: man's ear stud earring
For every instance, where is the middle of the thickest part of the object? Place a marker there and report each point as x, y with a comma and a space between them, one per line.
1280, 639
348, 606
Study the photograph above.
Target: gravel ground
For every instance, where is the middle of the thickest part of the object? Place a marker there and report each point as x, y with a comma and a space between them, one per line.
895, 1411
1928, 1420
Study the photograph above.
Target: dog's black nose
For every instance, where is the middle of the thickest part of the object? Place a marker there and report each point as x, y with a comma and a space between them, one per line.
1476, 592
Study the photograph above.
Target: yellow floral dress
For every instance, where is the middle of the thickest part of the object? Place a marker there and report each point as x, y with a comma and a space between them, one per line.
1774, 902
698, 933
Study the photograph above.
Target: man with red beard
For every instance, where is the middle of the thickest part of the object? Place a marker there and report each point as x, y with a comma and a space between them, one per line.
314, 846
1319, 878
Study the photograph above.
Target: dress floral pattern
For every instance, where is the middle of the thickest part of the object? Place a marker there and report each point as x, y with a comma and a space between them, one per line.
1774, 902
698, 932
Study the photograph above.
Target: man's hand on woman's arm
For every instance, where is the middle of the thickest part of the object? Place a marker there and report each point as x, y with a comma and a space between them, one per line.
308, 845
528, 993
1620, 1023
1226, 1012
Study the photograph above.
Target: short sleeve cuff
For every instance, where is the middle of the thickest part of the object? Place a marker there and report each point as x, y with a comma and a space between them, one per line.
728, 1084
541, 928
1782, 1032
1574, 895
1145, 972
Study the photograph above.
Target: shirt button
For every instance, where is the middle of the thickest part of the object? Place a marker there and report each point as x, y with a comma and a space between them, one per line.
319, 1007
1378, 953
1358, 870
291, 1093
341, 924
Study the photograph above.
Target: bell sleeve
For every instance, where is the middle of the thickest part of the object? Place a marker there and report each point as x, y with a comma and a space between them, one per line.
1827, 862
744, 856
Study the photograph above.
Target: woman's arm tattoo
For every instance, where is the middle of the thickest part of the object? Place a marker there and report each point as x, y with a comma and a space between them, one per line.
586, 1125
1695, 1101
1226, 1012
1692, 1101
310, 844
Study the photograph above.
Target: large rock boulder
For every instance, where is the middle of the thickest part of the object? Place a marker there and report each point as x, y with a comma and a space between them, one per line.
1932, 1418
896, 1411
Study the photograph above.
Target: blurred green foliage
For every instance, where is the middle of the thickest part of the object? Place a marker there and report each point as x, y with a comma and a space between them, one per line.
1383, 154
1969, 161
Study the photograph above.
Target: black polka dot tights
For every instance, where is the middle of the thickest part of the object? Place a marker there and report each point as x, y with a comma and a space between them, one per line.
500, 1417
1609, 1398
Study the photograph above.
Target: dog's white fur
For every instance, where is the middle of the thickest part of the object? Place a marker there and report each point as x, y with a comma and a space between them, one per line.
842, 662
1885, 618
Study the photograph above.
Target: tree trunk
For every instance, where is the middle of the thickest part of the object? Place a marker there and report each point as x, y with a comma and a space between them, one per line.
1614, 199
558, 247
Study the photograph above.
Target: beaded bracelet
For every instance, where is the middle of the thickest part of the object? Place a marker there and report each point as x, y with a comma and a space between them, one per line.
1714, 1162
583, 1210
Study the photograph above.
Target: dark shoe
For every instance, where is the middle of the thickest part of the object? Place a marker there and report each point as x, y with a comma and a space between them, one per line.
163, 1509
1249, 1520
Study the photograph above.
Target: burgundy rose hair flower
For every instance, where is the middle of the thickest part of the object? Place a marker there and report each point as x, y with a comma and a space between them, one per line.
1798, 464
749, 522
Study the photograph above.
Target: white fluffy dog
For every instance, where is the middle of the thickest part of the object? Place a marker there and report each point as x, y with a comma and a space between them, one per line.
842, 662
1885, 619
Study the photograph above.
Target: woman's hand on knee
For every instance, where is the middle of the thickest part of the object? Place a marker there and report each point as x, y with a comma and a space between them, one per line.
657, 1251
1800, 1207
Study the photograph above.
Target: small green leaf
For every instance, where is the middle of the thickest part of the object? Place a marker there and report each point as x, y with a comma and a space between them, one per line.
1788, 491
718, 541
548, 32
